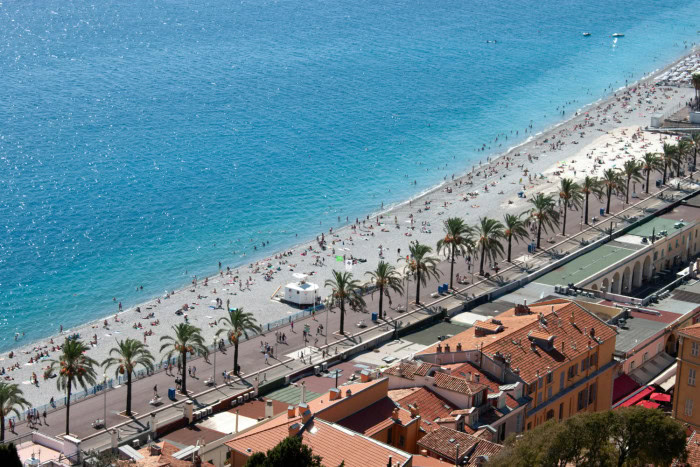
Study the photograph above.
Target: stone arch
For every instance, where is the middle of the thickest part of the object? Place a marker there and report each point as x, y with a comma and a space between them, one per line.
646, 269
637, 275
626, 284
615, 286
594, 287
606, 284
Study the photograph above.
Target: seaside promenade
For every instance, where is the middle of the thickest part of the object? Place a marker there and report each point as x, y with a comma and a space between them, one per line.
286, 361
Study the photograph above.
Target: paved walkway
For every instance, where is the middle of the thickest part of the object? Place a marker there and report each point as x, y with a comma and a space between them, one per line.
252, 360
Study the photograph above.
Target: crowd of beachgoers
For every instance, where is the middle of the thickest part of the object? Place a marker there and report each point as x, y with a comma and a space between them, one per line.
600, 136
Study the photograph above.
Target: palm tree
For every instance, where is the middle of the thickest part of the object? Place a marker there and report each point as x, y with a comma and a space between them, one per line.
633, 171
186, 338
129, 354
11, 400
570, 193
74, 368
385, 278
345, 289
590, 185
612, 181
684, 147
515, 229
695, 78
696, 145
421, 265
489, 233
237, 324
651, 162
668, 157
545, 212
458, 238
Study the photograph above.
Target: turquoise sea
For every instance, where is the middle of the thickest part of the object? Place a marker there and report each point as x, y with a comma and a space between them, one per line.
143, 142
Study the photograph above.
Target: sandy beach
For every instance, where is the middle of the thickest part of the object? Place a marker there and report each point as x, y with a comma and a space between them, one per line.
601, 135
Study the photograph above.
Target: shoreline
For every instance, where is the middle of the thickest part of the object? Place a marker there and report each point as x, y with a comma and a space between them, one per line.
543, 160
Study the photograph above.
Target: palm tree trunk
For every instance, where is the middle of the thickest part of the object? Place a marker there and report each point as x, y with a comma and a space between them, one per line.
539, 231
235, 357
452, 265
627, 192
695, 160
417, 287
563, 224
381, 301
183, 388
648, 173
342, 316
510, 241
128, 395
665, 168
607, 208
68, 393
587, 195
481, 260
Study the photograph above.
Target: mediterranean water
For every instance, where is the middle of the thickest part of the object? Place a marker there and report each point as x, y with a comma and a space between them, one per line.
144, 142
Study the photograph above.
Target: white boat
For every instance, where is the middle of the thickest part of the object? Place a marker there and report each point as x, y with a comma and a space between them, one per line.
586, 34
618, 34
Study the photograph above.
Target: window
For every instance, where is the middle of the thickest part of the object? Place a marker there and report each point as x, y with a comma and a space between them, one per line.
519, 421
632, 365
691, 377
592, 393
584, 364
656, 255
561, 411
529, 426
531, 388
645, 356
549, 392
401, 441
550, 414
689, 407
659, 347
573, 371
695, 349
539, 398
388, 436
594, 359
582, 399
549, 378
676, 245
561, 381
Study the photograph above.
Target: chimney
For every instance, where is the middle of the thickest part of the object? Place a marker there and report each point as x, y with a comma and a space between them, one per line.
447, 348
414, 410
389, 464
306, 416
290, 411
469, 375
188, 411
365, 376
395, 413
155, 450
294, 429
348, 393
459, 346
302, 408
303, 393
334, 394
439, 348
424, 452
477, 376
268, 409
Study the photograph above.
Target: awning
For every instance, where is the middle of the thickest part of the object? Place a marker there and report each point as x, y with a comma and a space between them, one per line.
648, 404
636, 397
623, 386
660, 397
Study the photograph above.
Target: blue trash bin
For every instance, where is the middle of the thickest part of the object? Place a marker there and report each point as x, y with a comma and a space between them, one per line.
446, 287
171, 393
602, 211
658, 183
374, 316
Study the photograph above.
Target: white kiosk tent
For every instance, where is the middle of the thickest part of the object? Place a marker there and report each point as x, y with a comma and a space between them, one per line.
302, 292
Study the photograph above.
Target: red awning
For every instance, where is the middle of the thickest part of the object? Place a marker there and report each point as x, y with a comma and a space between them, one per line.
640, 396
660, 397
648, 404
623, 386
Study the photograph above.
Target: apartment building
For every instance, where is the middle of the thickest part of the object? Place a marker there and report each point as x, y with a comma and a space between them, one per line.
686, 399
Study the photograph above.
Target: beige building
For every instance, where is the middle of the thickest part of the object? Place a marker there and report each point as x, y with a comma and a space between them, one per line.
686, 399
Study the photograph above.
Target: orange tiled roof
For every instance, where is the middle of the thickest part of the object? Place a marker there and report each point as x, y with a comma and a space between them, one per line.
323, 402
465, 369
443, 442
693, 449
453, 383
511, 322
425, 461
430, 406
489, 326
332, 442
691, 331
536, 334
484, 448
375, 417
408, 370
165, 458
531, 359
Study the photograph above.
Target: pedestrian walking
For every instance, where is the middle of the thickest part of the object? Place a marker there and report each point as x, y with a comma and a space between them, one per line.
266, 357
44, 415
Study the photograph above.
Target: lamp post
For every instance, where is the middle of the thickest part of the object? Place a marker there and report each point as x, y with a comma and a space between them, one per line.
213, 378
325, 329
104, 390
